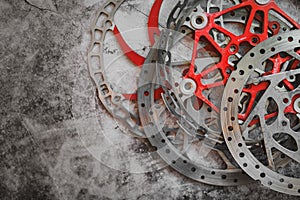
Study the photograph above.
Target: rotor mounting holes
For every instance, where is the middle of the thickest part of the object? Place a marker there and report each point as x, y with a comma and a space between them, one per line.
151, 112
245, 165
168, 151
230, 99
240, 144
213, 172
193, 169
250, 67
209, 109
153, 136
255, 40
232, 118
146, 93
188, 86
279, 38
290, 186
223, 176
188, 19
274, 26
233, 79
262, 51
241, 72
230, 128
252, 55
235, 180
229, 139
273, 49
225, 109
290, 39
176, 84
257, 166
202, 177
281, 180
299, 191
232, 13
242, 155
173, 162
284, 123
270, 183
243, 18
184, 161
285, 100
199, 20
262, 175
163, 141
143, 105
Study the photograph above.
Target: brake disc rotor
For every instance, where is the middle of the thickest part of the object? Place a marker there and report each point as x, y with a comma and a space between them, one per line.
117, 100
185, 154
196, 88
273, 68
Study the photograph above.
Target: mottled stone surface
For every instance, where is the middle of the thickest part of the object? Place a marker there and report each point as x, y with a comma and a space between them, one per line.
46, 103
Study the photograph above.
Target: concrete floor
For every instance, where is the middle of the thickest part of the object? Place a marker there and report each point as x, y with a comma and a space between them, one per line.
48, 116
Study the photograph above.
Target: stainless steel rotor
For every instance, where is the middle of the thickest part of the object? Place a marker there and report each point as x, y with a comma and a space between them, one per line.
277, 130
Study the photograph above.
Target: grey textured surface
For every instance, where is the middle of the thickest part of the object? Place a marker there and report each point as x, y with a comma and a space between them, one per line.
47, 101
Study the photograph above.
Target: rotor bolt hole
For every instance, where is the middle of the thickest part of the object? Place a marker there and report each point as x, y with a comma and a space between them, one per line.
284, 123
188, 86
146, 93
199, 20
255, 40
285, 100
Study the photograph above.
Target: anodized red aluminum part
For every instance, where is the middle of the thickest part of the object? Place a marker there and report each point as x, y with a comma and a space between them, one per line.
134, 57
235, 41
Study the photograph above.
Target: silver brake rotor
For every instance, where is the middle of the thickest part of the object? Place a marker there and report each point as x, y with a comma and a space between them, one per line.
180, 150
122, 109
172, 142
280, 132
180, 101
